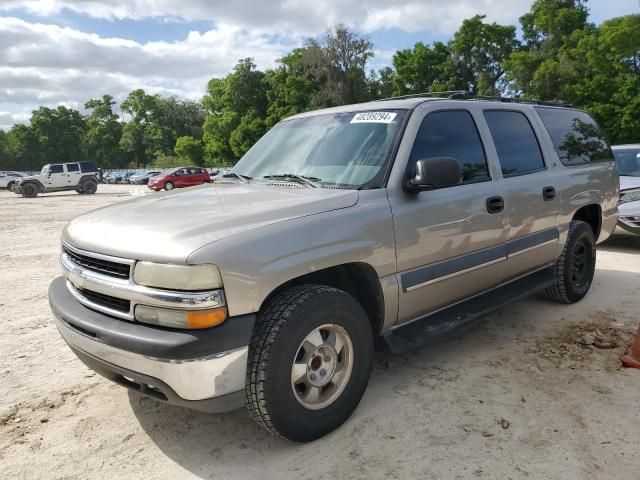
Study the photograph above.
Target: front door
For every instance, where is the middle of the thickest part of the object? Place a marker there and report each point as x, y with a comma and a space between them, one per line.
57, 177
449, 241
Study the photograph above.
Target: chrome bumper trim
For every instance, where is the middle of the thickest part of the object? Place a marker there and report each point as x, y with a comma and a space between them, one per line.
79, 278
194, 379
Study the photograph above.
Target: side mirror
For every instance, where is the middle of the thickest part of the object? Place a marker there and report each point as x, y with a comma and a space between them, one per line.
435, 172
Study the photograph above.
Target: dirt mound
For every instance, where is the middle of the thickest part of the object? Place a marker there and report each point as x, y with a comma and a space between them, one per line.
589, 346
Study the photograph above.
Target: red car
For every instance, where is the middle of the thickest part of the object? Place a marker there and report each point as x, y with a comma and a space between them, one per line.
179, 178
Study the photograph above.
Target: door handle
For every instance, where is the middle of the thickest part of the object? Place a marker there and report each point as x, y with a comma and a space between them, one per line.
548, 193
495, 204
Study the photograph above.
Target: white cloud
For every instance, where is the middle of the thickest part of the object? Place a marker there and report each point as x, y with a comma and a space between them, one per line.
301, 16
51, 65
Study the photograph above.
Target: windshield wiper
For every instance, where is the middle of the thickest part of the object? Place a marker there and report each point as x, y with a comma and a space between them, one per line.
242, 178
310, 181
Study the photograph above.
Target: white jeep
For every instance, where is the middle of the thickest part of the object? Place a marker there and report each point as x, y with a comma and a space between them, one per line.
58, 177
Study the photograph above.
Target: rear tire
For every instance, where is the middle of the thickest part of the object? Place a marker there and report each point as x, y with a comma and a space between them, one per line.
576, 265
89, 187
10, 186
322, 337
29, 190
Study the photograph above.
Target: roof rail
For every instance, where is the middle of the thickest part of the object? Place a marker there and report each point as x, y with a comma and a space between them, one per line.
465, 95
443, 94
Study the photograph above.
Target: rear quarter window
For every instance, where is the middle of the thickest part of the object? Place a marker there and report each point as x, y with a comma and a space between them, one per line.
575, 135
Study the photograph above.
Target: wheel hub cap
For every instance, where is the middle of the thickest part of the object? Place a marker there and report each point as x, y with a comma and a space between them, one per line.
322, 366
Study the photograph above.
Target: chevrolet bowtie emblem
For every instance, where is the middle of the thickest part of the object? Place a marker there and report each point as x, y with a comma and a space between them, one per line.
76, 277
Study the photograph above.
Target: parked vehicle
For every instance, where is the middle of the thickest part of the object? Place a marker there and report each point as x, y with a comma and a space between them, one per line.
115, 177
126, 176
386, 223
179, 178
8, 179
59, 177
628, 161
143, 178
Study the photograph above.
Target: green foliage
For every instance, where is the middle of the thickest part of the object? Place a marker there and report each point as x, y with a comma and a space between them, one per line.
168, 161
104, 131
237, 107
189, 149
478, 52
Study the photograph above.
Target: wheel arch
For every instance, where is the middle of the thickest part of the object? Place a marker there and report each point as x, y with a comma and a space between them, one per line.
358, 279
592, 215
38, 185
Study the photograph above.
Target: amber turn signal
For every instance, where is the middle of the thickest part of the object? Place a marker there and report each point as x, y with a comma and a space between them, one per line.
206, 318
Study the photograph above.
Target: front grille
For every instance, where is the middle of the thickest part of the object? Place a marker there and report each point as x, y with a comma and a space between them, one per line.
105, 267
108, 301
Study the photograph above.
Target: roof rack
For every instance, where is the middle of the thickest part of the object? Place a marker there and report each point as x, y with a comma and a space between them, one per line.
465, 95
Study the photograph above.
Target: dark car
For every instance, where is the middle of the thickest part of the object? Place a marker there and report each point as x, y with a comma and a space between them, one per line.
179, 178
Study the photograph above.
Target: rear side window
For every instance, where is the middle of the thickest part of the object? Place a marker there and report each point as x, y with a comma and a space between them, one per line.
515, 141
452, 133
73, 167
56, 169
575, 135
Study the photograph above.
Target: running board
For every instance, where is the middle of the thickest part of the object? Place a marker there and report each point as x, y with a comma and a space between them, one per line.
417, 333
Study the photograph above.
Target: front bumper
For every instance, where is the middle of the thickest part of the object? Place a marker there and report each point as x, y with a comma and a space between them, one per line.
203, 370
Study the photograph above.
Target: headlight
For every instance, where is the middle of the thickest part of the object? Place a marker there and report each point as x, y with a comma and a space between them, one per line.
177, 277
627, 196
192, 319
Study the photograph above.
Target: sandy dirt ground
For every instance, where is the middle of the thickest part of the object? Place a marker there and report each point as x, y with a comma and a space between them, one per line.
534, 391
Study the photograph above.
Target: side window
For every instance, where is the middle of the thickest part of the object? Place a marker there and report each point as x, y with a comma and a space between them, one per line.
575, 135
73, 167
56, 169
515, 141
452, 133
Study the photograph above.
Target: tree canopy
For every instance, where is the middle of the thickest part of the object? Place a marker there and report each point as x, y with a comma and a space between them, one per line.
559, 55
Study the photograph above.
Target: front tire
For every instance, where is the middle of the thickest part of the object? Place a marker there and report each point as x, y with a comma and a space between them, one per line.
29, 190
576, 266
309, 362
169, 186
10, 186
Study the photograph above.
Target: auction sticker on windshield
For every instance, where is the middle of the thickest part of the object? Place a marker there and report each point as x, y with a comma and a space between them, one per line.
373, 117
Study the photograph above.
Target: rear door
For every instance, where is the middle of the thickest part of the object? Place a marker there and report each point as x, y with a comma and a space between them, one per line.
530, 190
73, 174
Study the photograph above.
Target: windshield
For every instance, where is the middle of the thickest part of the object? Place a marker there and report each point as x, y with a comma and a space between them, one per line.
45, 169
628, 161
345, 149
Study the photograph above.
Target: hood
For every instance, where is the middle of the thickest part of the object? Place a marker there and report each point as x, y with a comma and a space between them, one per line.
627, 182
169, 226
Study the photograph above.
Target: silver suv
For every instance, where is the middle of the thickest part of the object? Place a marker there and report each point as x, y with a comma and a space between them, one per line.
382, 224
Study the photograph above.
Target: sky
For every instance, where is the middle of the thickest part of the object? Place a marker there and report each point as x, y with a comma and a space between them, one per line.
65, 52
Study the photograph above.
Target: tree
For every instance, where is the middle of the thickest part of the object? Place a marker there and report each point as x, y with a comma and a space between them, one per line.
599, 70
337, 65
189, 149
237, 108
102, 138
380, 83
22, 149
535, 70
59, 134
290, 88
138, 105
478, 52
424, 69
